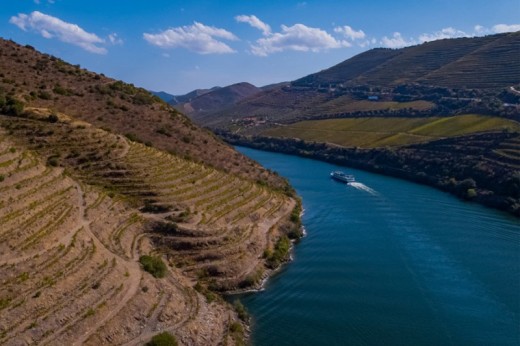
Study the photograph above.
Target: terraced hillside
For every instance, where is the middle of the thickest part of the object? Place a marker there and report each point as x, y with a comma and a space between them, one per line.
80, 206
443, 77
44, 81
478, 62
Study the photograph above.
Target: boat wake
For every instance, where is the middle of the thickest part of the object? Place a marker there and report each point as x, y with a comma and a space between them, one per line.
363, 187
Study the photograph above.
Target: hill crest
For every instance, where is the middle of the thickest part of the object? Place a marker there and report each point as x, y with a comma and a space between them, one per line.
451, 76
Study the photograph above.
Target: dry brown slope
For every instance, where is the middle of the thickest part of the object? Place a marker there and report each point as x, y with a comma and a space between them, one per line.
73, 229
44, 81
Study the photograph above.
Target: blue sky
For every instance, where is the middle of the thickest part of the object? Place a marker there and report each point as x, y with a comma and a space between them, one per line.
178, 46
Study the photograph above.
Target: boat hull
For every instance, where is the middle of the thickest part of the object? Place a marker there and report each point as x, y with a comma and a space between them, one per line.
342, 177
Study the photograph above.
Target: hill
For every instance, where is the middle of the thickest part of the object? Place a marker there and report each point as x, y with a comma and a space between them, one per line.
478, 62
106, 239
43, 81
444, 77
178, 99
444, 113
217, 99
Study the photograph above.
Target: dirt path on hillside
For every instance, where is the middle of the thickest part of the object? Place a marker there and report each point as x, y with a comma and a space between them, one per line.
132, 266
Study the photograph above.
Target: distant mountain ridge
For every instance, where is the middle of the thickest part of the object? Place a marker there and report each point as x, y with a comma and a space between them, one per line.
163, 95
447, 76
206, 101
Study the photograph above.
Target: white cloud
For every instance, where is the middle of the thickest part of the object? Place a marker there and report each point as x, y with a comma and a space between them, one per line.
50, 27
396, 41
495, 29
114, 39
367, 43
197, 38
501, 28
255, 23
297, 38
480, 30
350, 33
442, 34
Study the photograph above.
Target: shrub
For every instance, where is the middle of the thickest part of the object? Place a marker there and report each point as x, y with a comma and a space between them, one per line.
143, 98
163, 339
153, 265
163, 131
12, 106
236, 327
2, 177
53, 118
58, 89
280, 253
53, 161
241, 310
471, 193
133, 137
206, 292
44, 95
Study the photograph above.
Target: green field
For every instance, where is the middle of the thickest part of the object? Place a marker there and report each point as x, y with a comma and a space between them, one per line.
379, 132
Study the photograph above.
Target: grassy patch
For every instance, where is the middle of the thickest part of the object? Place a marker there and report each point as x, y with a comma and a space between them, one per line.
153, 265
380, 132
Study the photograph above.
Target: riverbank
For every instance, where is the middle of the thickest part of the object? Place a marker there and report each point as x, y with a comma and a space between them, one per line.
452, 165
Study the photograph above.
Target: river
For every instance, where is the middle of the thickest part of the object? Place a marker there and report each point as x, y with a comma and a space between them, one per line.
389, 262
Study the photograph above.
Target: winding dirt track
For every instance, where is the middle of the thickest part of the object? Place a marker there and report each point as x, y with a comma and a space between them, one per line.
132, 266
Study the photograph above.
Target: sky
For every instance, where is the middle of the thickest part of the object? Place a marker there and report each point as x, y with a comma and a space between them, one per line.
178, 46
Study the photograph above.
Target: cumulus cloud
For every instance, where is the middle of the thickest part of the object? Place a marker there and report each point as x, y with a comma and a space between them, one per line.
442, 34
297, 38
52, 27
480, 30
198, 38
255, 23
350, 33
396, 41
496, 29
501, 28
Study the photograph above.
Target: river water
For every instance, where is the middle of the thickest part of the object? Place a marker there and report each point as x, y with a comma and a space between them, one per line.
389, 262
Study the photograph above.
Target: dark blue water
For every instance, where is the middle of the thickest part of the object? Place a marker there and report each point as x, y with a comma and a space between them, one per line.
388, 262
